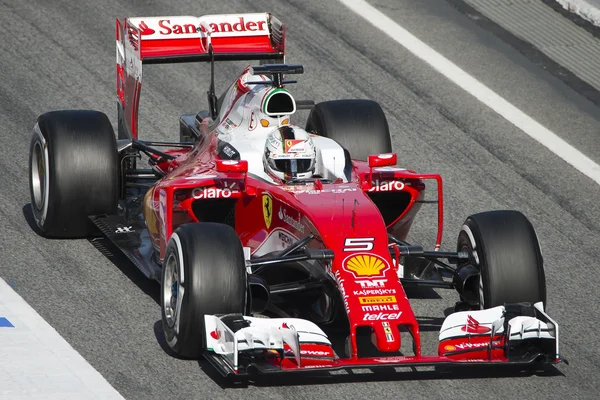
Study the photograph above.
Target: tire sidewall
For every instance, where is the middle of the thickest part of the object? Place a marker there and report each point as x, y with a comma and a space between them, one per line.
180, 328
40, 214
469, 240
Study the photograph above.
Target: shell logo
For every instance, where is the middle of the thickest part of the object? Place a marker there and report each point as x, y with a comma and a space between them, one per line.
449, 347
365, 265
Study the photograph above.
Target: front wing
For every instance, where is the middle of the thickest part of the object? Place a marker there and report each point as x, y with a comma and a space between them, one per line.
241, 345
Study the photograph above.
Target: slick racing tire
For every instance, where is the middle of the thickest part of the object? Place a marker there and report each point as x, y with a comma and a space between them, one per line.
203, 273
359, 126
73, 172
504, 247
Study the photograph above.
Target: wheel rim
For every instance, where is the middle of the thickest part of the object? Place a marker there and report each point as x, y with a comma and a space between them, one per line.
170, 287
481, 295
38, 176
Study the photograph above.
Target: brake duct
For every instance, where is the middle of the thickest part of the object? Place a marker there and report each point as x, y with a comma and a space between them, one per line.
466, 282
258, 294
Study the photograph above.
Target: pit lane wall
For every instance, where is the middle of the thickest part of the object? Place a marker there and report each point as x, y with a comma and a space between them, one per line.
587, 9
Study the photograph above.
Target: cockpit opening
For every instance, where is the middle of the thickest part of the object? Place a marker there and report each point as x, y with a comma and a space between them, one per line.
280, 103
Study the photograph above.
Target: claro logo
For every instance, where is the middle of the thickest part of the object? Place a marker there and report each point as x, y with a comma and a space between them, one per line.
387, 186
211, 193
167, 27
215, 193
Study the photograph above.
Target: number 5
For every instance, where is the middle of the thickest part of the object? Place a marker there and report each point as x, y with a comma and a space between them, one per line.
356, 244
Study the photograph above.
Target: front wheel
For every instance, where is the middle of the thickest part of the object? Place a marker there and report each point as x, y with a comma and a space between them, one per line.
503, 247
203, 273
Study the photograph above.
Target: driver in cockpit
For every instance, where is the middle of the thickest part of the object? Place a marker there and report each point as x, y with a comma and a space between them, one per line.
289, 154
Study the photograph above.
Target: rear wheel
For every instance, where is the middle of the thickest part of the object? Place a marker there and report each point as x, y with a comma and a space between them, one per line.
359, 126
504, 247
203, 273
73, 172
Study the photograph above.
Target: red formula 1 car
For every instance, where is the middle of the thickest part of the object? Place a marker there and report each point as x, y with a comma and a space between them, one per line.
264, 235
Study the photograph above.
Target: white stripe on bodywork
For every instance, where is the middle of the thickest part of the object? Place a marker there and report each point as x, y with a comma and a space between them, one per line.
120, 52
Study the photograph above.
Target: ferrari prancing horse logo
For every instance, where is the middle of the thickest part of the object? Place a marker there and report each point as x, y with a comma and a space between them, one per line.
267, 207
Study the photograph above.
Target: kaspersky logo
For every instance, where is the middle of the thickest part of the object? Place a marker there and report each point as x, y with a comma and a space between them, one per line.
365, 265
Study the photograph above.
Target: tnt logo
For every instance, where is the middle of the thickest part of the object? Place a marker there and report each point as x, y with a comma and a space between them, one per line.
372, 283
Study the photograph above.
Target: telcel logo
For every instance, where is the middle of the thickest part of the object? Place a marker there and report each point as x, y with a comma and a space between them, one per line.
381, 316
387, 186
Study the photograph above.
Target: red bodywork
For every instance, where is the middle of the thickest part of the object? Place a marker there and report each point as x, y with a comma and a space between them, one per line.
342, 215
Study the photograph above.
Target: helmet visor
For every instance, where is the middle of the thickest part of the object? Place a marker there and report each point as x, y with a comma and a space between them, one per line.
292, 166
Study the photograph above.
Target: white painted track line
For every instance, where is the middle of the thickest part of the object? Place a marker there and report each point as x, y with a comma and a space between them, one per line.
481, 92
588, 9
37, 363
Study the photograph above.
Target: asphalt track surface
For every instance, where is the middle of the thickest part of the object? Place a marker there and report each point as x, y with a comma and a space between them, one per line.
60, 54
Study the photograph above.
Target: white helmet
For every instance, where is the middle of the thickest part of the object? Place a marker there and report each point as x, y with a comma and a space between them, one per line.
289, 154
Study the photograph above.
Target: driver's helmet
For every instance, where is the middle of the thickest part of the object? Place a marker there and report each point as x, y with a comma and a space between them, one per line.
289, 154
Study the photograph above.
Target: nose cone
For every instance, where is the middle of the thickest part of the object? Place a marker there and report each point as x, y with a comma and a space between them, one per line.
386, 337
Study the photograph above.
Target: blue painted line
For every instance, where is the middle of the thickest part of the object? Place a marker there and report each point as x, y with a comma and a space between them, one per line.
5, 323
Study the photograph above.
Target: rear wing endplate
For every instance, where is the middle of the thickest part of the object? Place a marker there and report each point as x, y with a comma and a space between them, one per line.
160, 40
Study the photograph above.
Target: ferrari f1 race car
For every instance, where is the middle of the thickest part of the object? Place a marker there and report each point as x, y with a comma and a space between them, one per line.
265, 235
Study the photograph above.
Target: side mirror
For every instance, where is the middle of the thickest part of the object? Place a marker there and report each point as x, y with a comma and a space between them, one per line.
383, 160
232, 166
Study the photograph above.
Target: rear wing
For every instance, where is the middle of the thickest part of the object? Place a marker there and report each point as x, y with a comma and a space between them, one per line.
160, 40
